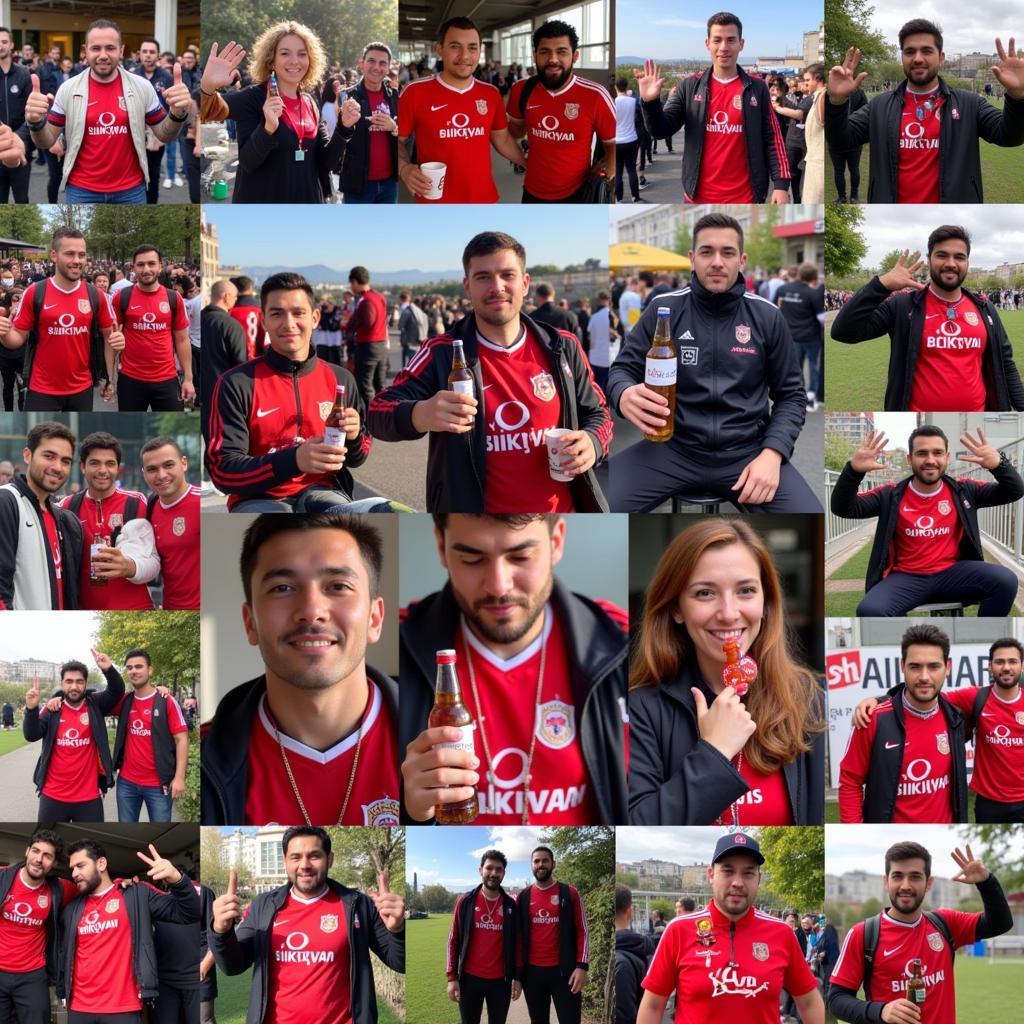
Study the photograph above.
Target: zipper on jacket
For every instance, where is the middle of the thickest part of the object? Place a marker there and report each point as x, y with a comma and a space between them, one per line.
714, 386
298, 399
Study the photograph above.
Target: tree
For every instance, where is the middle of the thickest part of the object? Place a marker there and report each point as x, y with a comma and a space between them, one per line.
870, 908
436, 899
361, 855
849, 25
844, 245
23, 223
837, 451
64, 215
171, 638
793, 860
994, 845
889, 260
683, 241
762, 247
117, 230
211, 871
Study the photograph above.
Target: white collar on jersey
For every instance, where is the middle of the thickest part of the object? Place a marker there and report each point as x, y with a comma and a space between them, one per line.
517, 659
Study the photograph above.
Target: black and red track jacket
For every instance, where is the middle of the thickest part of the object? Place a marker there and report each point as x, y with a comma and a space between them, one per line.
261, 411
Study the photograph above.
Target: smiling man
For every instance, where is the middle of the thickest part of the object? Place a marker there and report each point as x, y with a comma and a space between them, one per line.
487, 450
313, 739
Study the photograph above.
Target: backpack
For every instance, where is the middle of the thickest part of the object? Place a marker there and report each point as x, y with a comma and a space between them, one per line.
124, 297
980, 698
131, 510
872, 927
97, 363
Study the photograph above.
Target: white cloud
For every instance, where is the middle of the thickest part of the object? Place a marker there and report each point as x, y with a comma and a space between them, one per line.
959, 34
515, 841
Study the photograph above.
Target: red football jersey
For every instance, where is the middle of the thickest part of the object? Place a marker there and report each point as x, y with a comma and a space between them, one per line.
454, 128
738, 976
322, 776
724, 170
103, 979
765, 803
949, 375
917, 174
176, 527
519, 404
561, 792
23, 917
545, 913
485, 957
53, 539
561, 127
928, 532
998, 744
381, 165
251, 319
148, 340
61, 364
100, 519
899, 943
310, 961
139, 764
72, 775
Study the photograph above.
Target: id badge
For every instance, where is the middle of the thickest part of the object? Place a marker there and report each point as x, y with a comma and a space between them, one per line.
300, 155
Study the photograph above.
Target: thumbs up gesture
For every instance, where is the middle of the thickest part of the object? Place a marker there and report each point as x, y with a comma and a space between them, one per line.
227, 909
390, 905
177, 96
37, 106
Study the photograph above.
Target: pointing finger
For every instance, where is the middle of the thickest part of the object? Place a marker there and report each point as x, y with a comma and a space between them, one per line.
232, 882
177, 73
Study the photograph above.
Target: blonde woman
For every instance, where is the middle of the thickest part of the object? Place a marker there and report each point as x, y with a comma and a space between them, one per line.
814, 133
699, 753
284, 151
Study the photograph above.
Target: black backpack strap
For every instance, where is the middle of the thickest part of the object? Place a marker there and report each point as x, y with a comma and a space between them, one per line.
76, 502
872, 927
976, 709
943, 927
97, 346
531, 83
151, 500
172, 302
123, 298
38, 296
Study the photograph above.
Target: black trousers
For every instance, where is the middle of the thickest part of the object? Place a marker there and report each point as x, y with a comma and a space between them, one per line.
543, 986
796, 176
15, 180
995, 812
176, 1005
9, 374
371, 361
55, 810
74, 1017
25, 998
153, 160
840, 162
474, 992
625, 159
81, 401
191, 162
138, 395
55, 172
574, 197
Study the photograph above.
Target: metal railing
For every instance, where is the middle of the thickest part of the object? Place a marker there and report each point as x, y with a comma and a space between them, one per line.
839, 526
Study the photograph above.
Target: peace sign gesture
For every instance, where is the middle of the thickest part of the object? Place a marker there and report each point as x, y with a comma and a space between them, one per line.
867, 456
841, 80
972, 871
648, 82
982, 453
1010, 69
160, 869
221, 67
902, 274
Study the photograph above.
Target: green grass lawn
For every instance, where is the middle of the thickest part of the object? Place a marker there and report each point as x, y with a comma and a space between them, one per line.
856, 374
426, 997
11, 740
832, 807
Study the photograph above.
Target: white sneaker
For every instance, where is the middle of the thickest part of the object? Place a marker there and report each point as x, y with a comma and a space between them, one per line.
168, 183
179, 180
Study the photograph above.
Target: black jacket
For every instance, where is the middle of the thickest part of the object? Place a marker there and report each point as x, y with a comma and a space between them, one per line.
633, 953
52, 920
224, 346
208, 986
16, 86
462, 932
598, 660
144, 905
98, 706
567, 944
966, 117
248, 945
687, 108
884, 501
164, 754
457, 463
355, 164
554, 316
676, 778
224, 764
872, 313
731, 394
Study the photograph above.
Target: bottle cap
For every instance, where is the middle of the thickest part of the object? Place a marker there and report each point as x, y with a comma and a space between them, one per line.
446, 657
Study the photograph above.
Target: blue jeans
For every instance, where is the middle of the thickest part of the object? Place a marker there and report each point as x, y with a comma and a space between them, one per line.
130, 798
171, 161
375, 192
991, 587
136, 195
811, 352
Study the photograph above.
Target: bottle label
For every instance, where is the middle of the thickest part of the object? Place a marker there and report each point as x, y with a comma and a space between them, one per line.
334, 436
94, 550
660, 372
917, 996
464, 743
463, 387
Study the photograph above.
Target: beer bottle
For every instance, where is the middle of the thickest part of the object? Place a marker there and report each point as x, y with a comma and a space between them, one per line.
460, 380
274, 91
449, 710
99, 541
660, 372
334, 425
915, 987
737, 672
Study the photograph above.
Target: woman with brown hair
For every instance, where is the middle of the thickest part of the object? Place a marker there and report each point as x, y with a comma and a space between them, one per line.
699, 752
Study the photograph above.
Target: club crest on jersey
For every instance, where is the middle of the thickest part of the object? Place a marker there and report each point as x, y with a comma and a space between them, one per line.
572, 111
383, 812
83, 306
328, 923
556, 724
178, 526
481, 106
753, 101
935, 941
942, 742
554, 899
955, 114
945, 508
705, 932
121, 103
737, 102
165, 307
688, 356
116, 520
324, 408
543, 386
43, 901
743, 333
760, 951
111, 906
84, 718
1019, 718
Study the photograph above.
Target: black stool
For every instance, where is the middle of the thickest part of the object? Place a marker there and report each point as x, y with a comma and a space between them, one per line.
709, 505
954, 609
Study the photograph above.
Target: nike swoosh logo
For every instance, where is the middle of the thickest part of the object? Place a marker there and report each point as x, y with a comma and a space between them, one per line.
533, 106
52, 305
443, 105
260, 413
985, 714
889, 952
134, 309
93, 103
278, 924
889, 746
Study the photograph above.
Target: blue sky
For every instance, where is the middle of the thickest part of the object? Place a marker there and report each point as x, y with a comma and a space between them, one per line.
385, 238
652, 28
451, 856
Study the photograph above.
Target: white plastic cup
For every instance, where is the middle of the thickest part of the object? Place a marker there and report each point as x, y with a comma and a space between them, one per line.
554, 439
435, 172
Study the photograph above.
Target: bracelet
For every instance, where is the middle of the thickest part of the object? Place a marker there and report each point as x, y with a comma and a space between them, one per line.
205, 93
36, 126
177, 120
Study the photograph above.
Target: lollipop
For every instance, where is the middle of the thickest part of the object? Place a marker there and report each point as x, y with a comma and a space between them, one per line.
737, 672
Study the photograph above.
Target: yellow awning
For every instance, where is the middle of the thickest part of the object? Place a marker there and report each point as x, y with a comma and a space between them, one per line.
644, 257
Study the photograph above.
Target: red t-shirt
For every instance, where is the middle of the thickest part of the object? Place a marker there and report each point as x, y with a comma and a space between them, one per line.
765, 803
928, 532
100, 519
310, 961
485, 956
371, 314
998, 744
103, 979
176, 527
381, 167
23, 918
53, 539
148, 339
560, 127
139, 764
545, 914
107, 161
520, 402
251, 319
925, 792
300, 115
72, 775
917, 174
724, 170
454, 128
61, 364
561, 792
739, 980
949, 375
322, 776
898, 944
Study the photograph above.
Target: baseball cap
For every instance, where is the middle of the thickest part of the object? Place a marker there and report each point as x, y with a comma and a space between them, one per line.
737, 842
